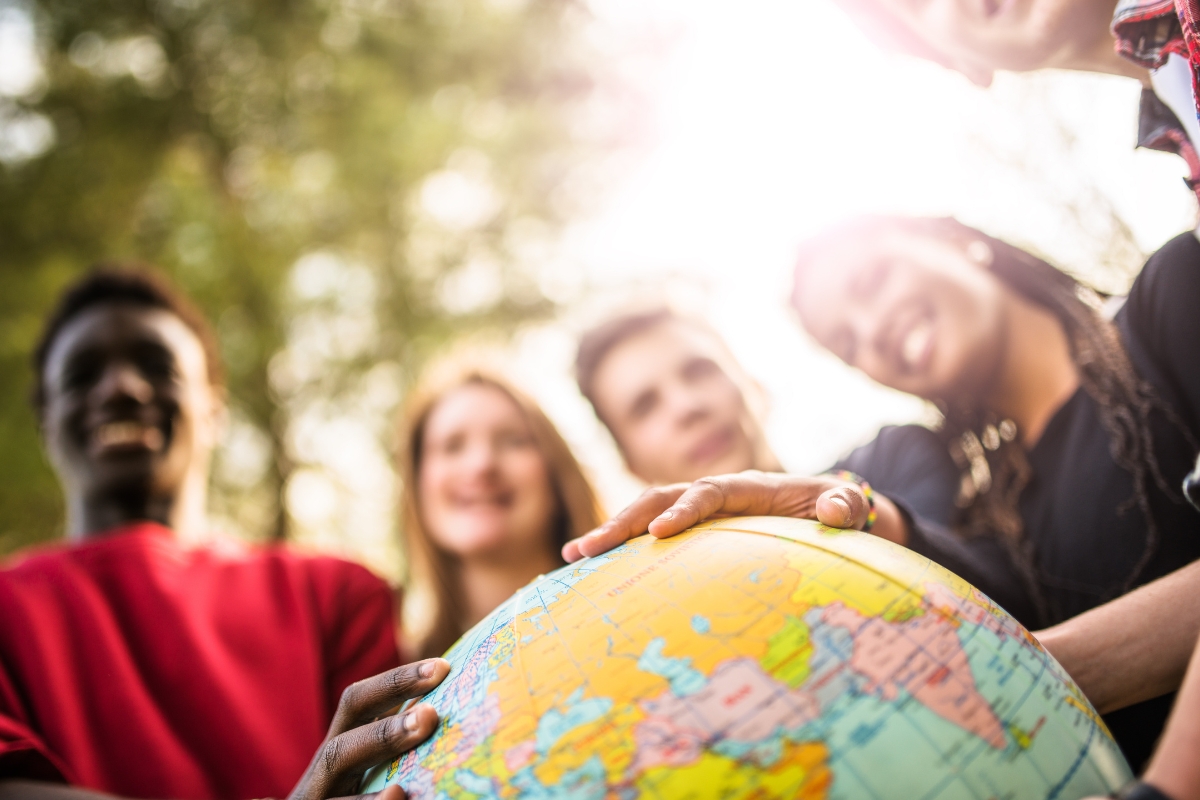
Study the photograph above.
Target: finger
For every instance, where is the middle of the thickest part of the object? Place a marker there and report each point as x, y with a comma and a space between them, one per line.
843, 507
570, 551
372, 697
631, 522
393, 792
341, 761
703, 498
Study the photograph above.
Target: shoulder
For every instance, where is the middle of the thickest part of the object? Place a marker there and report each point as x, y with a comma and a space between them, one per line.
335, 584
901, 446
1168, 285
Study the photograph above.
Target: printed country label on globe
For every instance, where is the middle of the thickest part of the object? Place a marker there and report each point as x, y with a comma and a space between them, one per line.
755, 658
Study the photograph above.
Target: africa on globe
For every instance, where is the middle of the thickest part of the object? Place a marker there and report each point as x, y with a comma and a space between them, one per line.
756, 657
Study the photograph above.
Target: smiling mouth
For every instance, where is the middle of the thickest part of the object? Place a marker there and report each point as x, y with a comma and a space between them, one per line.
500, 502
914, 347
126, 435
712, 446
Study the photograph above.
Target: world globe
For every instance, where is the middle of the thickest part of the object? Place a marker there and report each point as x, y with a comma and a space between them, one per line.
756, 657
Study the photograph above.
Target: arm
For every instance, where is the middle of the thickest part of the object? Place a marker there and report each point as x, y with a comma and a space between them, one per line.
364, 732
1135, 647
668, 510
1175, 768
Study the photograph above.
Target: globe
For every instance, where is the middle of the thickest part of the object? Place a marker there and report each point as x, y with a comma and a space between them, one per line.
756, 657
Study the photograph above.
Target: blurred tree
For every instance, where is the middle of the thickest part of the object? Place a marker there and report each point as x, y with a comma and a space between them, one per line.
341, 184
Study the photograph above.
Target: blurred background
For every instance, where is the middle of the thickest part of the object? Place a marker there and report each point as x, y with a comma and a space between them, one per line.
349, 187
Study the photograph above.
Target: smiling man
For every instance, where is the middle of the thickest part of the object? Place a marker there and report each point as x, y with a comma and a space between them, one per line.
1153, 41
135, 664
673, 397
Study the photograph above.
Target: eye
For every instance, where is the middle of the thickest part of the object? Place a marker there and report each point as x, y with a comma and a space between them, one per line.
156, 363
513, 439
699, 368
81, 372
643, 405
451, 445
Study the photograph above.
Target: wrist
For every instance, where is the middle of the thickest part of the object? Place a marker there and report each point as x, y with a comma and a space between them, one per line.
1140, 790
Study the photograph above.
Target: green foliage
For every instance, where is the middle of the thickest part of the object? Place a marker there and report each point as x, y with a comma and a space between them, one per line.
338, 184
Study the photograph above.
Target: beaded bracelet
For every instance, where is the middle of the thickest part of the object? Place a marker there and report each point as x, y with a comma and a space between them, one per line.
850, 477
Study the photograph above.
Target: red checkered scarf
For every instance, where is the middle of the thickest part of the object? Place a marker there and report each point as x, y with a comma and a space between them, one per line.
1147, 31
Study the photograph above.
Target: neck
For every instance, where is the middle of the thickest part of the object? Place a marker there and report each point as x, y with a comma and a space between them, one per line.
1037, 374
182, 510
486, 583
1099, 54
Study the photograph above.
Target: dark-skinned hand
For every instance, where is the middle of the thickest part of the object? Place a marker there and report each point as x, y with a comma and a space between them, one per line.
667, 510
365, 731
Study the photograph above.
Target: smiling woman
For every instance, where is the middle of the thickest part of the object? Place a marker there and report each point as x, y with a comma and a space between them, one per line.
1062, 421
491, 493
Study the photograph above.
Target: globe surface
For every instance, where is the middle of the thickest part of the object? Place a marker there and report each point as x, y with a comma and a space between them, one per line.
756, 658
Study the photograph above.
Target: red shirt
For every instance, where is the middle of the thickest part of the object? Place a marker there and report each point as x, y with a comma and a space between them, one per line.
134, 665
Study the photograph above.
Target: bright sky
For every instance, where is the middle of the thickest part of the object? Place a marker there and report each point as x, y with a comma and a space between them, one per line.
768, 121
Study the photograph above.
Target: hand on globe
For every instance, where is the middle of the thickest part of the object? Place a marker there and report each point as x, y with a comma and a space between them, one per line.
366, 732
667, 510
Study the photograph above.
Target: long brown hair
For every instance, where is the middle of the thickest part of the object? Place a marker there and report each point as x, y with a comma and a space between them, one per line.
995, 467
434, 611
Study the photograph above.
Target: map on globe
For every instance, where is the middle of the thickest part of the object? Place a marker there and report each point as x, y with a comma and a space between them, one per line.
756, 658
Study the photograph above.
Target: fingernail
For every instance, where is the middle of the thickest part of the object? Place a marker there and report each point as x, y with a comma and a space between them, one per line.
667, 515
843, 505
409, 722
426, 669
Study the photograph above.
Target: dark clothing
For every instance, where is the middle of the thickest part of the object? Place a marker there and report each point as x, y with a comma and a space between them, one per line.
135, 665
1086, 532
910, 465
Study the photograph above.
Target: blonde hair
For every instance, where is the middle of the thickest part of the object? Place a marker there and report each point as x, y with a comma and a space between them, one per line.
434, 611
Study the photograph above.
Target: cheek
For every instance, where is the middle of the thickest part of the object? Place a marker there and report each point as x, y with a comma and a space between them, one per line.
526, 472
431, 497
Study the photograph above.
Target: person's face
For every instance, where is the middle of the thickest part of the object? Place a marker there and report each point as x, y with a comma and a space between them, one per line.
979, 37
672, 407
912, 311
483, 486
129, 408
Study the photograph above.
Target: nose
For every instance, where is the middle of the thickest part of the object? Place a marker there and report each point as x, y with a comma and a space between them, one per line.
121, 382
481, 457
687, 403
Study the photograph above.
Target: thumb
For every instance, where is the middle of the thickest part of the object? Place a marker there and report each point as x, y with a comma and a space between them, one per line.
843, 507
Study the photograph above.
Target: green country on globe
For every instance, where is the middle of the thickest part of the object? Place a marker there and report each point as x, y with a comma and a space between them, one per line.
756, 657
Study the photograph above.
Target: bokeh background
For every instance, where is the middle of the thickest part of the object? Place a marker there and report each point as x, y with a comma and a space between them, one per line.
351, 187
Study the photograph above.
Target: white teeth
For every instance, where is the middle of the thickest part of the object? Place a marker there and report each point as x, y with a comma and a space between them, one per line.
916, 342
116, 434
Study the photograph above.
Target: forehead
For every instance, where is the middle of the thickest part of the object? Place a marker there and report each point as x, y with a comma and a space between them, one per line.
647, 358
114, 330
472, 405
821, 283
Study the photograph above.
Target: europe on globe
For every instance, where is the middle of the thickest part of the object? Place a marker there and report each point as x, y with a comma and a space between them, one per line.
756, 657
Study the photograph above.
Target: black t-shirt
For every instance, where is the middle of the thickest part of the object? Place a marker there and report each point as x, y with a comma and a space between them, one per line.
1077, 509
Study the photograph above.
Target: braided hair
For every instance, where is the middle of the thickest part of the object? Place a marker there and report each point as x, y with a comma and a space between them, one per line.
994, 463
